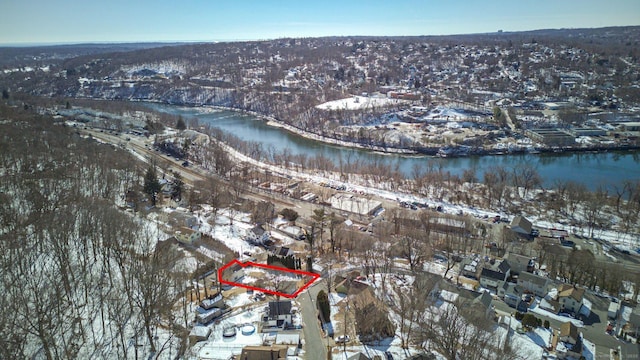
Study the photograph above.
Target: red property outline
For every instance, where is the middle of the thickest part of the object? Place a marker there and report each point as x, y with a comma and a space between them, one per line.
269, 267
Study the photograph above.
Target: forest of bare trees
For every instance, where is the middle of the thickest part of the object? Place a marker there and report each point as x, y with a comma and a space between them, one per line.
81, 278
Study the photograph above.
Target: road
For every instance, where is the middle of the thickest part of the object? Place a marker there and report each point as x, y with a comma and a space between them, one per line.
190, 175
315, 346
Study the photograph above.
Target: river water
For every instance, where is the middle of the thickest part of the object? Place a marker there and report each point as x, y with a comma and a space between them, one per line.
591, 169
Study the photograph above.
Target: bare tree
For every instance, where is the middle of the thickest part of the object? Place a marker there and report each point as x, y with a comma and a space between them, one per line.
460, 331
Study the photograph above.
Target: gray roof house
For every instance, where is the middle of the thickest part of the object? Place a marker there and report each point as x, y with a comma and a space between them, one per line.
510, 293
469, 267
494, 273
538, 285
521, 225
257, 235
279, 314
520, 263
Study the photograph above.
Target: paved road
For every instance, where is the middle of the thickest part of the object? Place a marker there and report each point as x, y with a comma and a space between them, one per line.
315, 344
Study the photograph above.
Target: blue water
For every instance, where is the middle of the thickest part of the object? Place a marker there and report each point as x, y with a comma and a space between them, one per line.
592, 169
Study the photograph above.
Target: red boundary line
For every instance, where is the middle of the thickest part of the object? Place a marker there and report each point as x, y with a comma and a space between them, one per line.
269, 267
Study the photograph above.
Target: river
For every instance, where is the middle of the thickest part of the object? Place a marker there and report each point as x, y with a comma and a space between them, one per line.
592, 169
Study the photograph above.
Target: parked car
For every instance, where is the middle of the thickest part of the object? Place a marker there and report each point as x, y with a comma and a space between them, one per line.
342, 339
609, 329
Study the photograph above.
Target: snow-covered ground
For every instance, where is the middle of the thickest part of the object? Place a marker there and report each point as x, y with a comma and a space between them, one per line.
538, 310
359, 103
441, 112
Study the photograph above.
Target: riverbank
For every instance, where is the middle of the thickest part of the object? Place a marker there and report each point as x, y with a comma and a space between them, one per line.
274, 122
456, 151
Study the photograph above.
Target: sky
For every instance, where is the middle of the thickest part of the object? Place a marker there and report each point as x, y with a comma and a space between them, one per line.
82, 21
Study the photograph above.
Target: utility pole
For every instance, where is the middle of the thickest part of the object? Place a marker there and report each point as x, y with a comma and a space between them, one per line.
329, 281
344, 342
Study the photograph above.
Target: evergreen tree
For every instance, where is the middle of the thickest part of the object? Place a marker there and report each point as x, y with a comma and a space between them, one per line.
5, 94
309, 263
323, 305
178, 186
152, 185
289, 214
180, 124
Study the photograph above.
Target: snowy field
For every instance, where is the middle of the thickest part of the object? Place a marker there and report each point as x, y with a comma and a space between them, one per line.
359, 103
441, 112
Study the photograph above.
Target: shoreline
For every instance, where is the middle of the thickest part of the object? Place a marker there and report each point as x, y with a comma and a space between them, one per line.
441, 151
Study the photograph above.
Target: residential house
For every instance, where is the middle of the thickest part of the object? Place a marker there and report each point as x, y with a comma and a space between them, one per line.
181, 218
284, 251
570, 345
494, 273
293, 231
484, 301
431, 283
214, 300
481, 302
258, 235
550, 304
187, 236
199, 333
233, 273
469, 267
569, 333
539, 285
521, 225
511, 293
288, 338
570, 298
520, 263
349, 285
632, 327
273, 352
359, 356
205, 316
279, 314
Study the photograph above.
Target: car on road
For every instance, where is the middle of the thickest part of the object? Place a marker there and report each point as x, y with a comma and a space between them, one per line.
342, 339
609, 329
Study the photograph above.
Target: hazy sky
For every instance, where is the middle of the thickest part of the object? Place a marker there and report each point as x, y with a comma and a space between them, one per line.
74, 21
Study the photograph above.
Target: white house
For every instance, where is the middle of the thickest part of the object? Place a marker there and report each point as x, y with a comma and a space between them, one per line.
213, 301
538, 285
494, 273
257, 235
279, 314
570, 298
187, 236
205, 316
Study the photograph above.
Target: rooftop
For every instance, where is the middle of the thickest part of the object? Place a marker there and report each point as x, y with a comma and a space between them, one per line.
571, 291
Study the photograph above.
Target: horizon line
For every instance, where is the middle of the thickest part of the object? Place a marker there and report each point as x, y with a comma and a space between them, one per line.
191, 41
